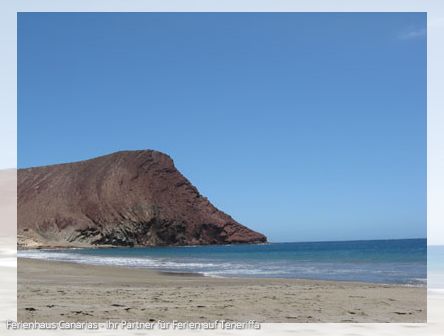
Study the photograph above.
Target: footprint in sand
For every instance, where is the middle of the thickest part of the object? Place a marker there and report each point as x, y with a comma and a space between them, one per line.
78, 312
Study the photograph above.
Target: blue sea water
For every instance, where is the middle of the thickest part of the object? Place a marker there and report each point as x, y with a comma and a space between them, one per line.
378, 261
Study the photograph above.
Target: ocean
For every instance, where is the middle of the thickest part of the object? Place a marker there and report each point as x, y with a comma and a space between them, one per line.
378, 261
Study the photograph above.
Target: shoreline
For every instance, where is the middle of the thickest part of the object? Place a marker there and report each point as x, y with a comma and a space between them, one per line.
202, 274
79, 246
52, 290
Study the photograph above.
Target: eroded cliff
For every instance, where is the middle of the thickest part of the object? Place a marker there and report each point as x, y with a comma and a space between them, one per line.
130, 198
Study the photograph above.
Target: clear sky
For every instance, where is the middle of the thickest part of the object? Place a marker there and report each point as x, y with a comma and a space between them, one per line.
302, 126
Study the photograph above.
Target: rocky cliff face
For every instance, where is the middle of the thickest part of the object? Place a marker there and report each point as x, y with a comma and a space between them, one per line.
132, 198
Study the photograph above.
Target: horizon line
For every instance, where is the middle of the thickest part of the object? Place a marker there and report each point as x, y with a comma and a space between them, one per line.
351, 240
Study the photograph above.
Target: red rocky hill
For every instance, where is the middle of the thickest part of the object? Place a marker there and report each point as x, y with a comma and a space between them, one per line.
131, 198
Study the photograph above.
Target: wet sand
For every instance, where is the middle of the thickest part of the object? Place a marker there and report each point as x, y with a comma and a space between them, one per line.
51, 291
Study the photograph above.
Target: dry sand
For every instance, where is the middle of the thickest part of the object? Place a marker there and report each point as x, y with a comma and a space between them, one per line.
54, 291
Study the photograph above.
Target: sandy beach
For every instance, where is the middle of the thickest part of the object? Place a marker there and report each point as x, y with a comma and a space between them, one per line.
52, 291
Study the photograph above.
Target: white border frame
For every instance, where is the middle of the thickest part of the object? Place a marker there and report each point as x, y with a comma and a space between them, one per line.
435, 116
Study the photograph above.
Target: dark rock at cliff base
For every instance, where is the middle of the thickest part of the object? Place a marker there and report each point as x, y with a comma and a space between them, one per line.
130, 198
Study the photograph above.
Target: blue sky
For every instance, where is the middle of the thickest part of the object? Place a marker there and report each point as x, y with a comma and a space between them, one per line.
303, 126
